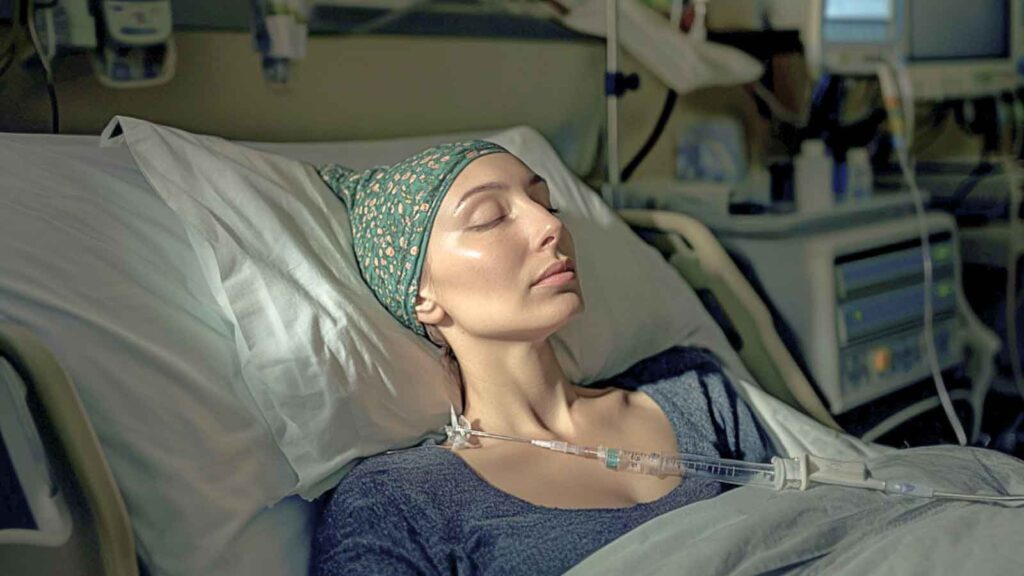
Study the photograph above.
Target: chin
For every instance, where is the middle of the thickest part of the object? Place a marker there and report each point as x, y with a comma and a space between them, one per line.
577, 307
581, 305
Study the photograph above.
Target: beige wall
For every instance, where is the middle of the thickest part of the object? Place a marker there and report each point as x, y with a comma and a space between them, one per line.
370, 87
348, 87
358, 87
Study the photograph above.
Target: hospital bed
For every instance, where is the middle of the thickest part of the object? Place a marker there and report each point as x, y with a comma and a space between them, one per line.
94, 252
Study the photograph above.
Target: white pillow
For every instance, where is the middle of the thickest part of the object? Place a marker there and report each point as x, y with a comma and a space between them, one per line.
334, 375
97, 266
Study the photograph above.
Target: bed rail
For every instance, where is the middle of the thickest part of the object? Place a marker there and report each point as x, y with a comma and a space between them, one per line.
700, 259
69, 422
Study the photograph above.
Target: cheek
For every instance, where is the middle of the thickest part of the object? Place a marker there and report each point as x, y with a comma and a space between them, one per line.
482, 266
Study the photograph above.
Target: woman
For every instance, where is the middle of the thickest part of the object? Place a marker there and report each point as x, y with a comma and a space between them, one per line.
462, 245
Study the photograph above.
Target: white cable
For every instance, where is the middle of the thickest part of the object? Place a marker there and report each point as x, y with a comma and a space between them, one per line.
36, 44
1010, 500
915, 409
675, 14
699, 28
906, 95
51, 34
892, 78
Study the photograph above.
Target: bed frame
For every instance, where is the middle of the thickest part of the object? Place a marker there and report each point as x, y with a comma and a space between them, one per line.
694, 251
106, 536
105, 544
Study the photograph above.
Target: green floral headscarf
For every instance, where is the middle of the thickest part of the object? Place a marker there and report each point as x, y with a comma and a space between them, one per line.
392, 210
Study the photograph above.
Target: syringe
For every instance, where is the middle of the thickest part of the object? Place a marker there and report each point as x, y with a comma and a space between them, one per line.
721, 469
781, 474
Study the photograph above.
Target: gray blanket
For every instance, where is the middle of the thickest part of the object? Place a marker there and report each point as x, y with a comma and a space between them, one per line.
840, 531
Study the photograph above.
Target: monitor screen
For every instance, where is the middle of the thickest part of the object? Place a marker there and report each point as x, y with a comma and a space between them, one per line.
858, 21
958, 30
858, 10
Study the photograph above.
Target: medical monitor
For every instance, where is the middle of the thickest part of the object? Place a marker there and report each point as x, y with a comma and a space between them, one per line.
952, 48
850, 37
853, 298
957, 49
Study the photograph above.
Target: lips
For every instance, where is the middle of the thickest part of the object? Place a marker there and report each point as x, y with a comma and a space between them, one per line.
556, 268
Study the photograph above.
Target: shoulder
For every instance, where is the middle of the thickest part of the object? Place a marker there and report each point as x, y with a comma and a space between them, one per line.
689, 378
669, 364
401, 474
385, 516
682, 375
696, 394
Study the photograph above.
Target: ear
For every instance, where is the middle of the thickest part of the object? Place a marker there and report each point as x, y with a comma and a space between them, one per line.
428, 311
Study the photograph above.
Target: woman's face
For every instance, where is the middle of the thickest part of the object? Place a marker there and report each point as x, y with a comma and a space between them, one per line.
494, 236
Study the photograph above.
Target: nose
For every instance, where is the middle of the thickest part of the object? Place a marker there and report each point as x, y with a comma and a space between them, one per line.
549, 228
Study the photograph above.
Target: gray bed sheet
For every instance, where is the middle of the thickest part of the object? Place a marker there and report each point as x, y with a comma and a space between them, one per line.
837, 530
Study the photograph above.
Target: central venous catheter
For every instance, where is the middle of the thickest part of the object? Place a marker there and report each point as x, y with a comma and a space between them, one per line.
796, 473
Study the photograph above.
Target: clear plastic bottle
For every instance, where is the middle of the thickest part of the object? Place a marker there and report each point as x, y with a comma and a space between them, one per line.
860, 178
812, 177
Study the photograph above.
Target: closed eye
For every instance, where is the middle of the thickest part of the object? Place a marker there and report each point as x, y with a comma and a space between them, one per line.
488, 225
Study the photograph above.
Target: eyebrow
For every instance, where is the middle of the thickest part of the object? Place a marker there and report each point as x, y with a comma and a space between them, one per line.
489, 186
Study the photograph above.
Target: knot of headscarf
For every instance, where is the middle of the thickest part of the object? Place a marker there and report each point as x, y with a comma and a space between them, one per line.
392, 211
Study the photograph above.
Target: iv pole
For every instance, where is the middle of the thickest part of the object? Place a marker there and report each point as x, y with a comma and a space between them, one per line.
611, 91
615, 85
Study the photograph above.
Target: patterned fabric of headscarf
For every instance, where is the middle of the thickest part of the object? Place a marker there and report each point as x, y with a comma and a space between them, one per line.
392, 211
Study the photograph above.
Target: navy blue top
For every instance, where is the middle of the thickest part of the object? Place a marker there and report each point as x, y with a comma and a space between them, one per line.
425, 511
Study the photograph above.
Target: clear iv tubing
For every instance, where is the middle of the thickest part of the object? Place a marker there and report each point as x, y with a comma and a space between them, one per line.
781, 474
737, 472
894, 83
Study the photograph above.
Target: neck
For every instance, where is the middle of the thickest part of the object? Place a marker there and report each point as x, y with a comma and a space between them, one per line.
517, 389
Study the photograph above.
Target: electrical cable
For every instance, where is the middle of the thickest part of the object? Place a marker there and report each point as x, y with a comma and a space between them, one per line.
8, 48
666, 112
388, 17
6, 60
558, 7
985, 168
1017, 118
1018, 124
1013, 237
936, 120
894, 82
982, 170
45, 60
777, 108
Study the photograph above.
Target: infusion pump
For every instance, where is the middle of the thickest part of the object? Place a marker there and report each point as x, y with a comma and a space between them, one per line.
854, 298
